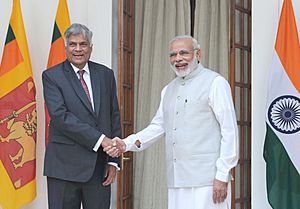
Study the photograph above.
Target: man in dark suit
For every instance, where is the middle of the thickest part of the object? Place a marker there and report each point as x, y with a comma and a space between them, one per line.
82, 102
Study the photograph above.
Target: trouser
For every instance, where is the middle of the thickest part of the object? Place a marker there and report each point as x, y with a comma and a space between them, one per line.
69, 195
196, 198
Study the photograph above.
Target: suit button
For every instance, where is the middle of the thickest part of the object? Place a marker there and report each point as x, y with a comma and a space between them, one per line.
174, 129
174, 160
178, 97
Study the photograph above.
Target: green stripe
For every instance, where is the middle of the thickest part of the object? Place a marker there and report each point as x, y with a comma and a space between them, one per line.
56, 33
10, 35
283, 180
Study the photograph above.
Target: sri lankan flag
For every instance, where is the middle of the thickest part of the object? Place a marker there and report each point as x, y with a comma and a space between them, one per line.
57, 51
282, 143
18, 118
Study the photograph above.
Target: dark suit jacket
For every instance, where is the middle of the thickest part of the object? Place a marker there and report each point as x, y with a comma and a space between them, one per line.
75, 128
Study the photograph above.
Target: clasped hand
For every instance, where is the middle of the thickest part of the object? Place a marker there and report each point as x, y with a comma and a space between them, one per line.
114, 147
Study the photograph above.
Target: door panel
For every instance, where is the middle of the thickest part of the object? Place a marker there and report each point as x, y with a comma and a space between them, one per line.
240, 81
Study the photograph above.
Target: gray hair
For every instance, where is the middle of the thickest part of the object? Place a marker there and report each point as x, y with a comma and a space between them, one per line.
78, 29
195, 42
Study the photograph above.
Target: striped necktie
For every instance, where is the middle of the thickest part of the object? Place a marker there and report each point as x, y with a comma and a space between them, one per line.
83, 84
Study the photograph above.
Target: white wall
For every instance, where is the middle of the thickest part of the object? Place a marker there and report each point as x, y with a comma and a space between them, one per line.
265, 16
38, 17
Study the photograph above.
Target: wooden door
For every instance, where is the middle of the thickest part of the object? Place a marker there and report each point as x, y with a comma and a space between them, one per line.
126, 99
240, 81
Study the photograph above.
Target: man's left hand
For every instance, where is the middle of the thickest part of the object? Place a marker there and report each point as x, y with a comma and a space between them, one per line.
110, 175
219, 191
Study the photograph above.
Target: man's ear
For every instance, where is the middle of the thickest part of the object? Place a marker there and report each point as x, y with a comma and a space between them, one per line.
198, 54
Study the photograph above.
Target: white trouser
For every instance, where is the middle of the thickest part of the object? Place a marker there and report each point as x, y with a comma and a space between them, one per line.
196, 198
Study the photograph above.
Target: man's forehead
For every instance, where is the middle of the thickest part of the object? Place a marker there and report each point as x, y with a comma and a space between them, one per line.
181, 43
78, 38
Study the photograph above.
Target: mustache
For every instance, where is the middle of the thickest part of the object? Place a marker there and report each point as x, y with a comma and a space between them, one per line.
181, 63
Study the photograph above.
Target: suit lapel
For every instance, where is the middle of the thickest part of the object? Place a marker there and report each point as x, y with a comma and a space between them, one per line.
73, 79
95, 81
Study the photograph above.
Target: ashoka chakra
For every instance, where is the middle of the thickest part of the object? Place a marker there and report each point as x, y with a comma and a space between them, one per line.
284, 114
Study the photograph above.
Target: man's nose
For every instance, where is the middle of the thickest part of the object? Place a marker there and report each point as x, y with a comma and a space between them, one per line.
178, 57
78, 47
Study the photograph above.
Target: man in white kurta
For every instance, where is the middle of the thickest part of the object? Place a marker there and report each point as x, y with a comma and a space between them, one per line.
197, 117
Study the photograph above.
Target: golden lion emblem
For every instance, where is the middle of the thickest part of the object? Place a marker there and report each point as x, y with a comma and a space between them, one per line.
22, 132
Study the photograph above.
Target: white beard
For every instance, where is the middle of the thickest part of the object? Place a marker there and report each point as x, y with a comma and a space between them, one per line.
183, 73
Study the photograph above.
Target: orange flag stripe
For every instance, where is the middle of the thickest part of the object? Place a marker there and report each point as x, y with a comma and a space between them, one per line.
11, 49
287, 44
57, 52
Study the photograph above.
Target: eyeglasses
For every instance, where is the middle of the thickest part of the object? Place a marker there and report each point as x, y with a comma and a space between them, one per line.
183, 53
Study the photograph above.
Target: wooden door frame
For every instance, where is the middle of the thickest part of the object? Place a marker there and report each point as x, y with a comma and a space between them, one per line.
244, 199
126, 97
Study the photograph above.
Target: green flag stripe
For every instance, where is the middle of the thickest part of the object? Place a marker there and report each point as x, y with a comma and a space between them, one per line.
283, 180
56, 33
10, 35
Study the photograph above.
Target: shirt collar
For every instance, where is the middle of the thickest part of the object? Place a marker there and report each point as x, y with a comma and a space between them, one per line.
85, 68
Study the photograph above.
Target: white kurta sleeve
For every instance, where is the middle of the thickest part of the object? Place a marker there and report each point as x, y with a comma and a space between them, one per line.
220, 100
151, 133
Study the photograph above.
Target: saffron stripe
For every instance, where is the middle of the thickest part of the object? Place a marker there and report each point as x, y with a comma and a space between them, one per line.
287, 43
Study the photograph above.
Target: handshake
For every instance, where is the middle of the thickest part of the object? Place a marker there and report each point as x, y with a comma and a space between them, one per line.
113, 147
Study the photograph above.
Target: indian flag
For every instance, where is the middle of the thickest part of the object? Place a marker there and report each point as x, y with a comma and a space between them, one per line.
57, 51
282, 143
18, 118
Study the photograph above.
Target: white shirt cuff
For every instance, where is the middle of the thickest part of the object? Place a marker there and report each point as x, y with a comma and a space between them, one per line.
130, 143
98, 144
114, 164
222, 176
